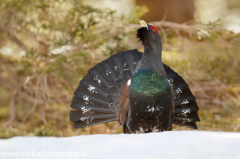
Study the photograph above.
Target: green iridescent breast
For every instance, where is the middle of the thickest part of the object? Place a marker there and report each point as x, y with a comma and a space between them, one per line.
149, 82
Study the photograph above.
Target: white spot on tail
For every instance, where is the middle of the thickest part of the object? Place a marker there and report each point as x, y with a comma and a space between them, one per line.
92, 89
183, 121
151, 109
171, 81
184, 103
125, 65
155, 129
188, 120
178, 92
141, 130
86, 99
185, 111
88, 120
86, 111
98, 80
108, 72
129, 82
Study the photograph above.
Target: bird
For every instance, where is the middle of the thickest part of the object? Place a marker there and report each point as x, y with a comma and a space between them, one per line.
136, 89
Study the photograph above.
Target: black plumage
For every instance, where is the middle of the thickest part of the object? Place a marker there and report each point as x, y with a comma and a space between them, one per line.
99, 97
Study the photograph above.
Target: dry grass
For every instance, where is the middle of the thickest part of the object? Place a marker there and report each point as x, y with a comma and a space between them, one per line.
210, 64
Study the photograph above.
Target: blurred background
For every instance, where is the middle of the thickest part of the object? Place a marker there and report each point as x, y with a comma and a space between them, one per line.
47, 46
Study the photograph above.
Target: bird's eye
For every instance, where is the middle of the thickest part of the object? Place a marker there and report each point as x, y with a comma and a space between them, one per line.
154, 29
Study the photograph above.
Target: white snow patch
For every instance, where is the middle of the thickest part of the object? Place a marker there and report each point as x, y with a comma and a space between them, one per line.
165, 145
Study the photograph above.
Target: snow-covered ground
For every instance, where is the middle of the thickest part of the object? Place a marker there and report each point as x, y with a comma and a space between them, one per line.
166, 145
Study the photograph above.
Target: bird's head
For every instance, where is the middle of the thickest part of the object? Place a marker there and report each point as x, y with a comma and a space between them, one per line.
148, 35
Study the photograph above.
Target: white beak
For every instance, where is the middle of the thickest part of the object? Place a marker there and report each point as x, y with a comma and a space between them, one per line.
143, 23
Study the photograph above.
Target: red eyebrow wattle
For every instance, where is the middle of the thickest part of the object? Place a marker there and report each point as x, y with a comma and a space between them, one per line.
154, 29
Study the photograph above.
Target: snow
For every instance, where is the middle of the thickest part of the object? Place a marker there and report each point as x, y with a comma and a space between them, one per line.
165, 145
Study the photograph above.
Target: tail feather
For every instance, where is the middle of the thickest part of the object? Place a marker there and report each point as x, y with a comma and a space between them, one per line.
190, 117
192, 125
97, 97
185, 103
109, 71
186, 110
90, 122
171, 75
95, 91
79, 104
132, 58
80, 116
120, 67
188, 99
101, 79
91, 99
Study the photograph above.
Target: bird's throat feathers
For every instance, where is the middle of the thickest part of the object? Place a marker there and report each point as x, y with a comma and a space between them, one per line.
151, 61
152, 43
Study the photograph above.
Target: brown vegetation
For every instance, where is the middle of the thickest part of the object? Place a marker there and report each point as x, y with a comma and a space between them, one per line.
50, 53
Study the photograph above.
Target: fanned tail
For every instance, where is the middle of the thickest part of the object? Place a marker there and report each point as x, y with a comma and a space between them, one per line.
97, 97
185, 103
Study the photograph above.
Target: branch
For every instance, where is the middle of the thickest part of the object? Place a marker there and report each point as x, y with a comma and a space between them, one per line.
183, 27
218, 102
12, 110
14, 38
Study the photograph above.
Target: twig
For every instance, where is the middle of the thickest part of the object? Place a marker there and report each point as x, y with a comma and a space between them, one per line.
12, 109
209, 88
164, 35
231, 97
14, 38
30, 112
182, 27
218, 102
165, 14
34, 106
43, 115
